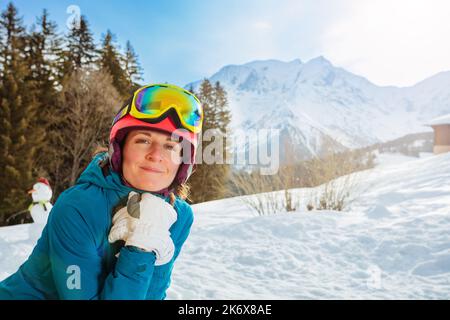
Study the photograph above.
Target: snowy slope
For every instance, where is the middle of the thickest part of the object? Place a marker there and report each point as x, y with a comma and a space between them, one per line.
16, 244
393, 242
324, 102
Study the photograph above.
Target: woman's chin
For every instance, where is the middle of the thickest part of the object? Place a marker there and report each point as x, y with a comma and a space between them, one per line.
148, 186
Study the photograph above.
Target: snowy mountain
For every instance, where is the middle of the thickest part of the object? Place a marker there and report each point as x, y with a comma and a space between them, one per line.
319, 106
393, 242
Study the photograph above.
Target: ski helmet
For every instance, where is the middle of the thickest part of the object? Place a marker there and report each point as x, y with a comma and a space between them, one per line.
162, 107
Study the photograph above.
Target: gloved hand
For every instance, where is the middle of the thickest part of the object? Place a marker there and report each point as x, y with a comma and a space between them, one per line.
145, 223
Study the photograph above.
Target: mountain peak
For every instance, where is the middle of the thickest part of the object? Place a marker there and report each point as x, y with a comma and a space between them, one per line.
319, 60
326, 100
296, 61
270, 63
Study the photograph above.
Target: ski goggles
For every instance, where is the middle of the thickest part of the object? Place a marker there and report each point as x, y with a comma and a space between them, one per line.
151, 102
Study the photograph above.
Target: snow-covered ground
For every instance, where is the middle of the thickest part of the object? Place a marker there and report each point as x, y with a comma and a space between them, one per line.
392, 243
16, 245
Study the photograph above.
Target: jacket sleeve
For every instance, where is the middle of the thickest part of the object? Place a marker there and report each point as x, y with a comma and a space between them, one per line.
161, 279
77, 267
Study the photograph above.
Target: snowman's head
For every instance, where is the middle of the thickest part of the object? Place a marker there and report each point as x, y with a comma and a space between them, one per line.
41, 191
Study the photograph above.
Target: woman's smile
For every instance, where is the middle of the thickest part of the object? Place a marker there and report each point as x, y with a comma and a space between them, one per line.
151, 170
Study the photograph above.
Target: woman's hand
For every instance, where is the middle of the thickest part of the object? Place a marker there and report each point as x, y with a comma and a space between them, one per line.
145, 223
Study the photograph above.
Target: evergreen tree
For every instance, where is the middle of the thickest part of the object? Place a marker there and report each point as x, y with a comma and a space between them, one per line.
80, 51
18, 111
206, 96
45, 46
109, 61
133, 69
210, 179
221, 103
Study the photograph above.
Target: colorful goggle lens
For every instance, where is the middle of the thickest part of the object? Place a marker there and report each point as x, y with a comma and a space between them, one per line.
153, 101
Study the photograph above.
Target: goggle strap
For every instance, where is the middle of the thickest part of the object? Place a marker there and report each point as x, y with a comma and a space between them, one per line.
128, 104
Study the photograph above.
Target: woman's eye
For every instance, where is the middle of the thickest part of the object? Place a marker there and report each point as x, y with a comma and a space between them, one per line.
169, 147
142, 141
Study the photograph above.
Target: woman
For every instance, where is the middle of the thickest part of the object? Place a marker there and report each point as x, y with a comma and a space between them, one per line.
114, 234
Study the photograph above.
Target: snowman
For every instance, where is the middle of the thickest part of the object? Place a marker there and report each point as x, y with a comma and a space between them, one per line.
41, 206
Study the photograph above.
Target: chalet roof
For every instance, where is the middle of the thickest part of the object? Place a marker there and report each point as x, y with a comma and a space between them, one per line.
445, 119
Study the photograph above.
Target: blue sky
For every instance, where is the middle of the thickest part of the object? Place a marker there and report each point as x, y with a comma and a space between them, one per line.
389, 42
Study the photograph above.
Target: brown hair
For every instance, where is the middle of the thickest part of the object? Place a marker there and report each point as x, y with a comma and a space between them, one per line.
180, 190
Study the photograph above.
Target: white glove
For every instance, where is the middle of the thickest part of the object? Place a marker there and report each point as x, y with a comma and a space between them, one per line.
123, 224
145, 223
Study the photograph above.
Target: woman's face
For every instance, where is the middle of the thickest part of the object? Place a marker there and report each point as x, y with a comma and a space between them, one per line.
150, 159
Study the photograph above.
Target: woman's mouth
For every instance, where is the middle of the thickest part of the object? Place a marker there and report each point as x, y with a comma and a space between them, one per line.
150, 169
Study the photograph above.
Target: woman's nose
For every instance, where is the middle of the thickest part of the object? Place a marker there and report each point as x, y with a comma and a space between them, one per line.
155, 152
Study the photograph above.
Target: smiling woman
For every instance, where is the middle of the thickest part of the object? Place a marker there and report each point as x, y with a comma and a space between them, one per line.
117, 233
150, 159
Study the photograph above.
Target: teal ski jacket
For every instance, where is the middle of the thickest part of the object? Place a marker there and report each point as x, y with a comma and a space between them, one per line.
73, 258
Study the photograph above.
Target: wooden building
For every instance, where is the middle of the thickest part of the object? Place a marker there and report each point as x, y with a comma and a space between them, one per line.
441, 127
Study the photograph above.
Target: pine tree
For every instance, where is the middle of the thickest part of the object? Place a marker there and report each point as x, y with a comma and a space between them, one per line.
206, 96
224, 119
209, 180
80, 51
45, 46
18, 110
221, 103
133, 69
109, 61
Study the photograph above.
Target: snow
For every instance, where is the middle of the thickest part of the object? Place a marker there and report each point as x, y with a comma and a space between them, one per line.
16, 244
445, 119
329, 100
393, 242
387, 159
